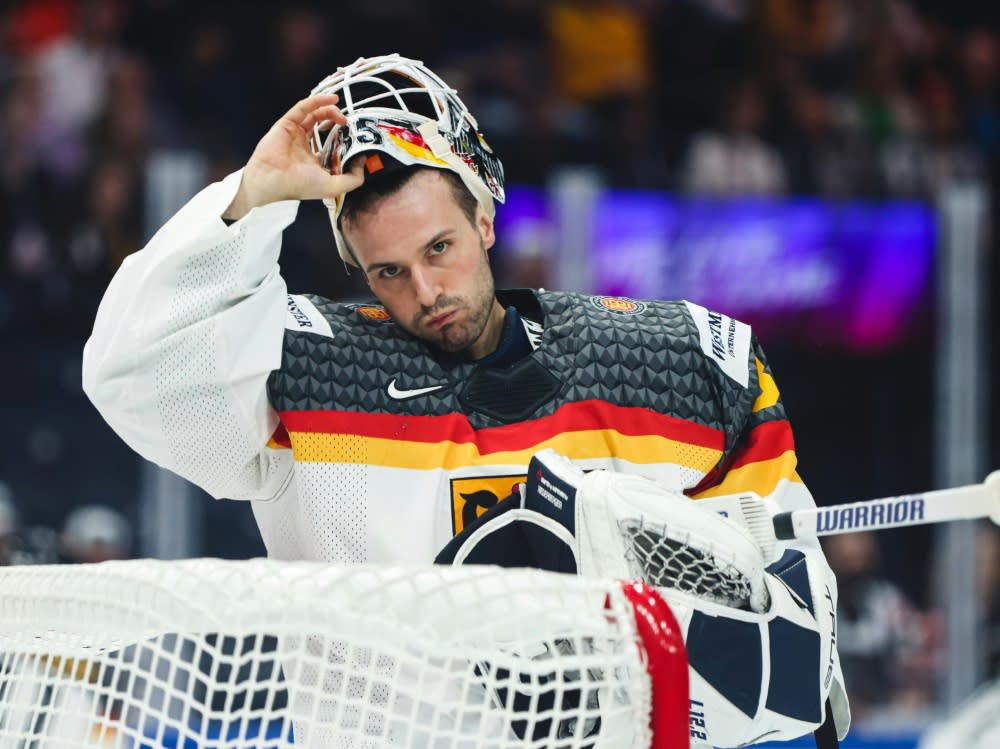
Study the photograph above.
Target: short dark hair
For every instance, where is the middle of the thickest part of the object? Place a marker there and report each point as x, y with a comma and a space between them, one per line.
365, 198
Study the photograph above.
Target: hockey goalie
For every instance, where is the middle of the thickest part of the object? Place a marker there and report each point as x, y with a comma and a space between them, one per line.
376, 431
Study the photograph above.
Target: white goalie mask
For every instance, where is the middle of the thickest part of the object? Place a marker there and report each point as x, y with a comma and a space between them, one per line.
400, 114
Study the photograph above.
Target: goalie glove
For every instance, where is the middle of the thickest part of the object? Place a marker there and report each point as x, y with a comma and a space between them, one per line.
761, 640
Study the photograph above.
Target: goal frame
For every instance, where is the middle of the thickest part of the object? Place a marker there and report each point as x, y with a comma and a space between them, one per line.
60, 620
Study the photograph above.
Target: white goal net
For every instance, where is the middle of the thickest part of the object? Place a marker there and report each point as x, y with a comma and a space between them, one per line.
210, 653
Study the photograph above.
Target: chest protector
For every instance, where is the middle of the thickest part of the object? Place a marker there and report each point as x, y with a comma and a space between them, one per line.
424, 442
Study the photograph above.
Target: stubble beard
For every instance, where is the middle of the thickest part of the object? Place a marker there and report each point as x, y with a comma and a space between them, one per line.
460, 335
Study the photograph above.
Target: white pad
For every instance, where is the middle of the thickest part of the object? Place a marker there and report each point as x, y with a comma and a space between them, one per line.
628, 526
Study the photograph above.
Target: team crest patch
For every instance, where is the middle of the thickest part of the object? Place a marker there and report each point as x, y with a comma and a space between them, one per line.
619, 305
471, 497
373, 312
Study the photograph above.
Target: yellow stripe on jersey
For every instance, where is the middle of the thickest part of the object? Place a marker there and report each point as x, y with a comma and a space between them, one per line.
760, 477
768, 390
321, 447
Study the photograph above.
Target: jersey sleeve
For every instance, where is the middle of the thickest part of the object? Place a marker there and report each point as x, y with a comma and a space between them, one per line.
184, 340
763, 460
799, 663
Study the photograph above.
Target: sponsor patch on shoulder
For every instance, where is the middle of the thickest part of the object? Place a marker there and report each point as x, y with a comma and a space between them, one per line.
620, 305
373, 312
304, 317
724, 340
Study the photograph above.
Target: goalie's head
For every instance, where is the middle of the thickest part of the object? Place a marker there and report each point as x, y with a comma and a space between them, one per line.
400, 114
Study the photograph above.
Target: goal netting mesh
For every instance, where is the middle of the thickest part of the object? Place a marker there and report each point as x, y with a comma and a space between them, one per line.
260, 653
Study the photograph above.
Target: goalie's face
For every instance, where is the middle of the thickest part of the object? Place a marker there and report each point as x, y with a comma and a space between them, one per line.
427, 263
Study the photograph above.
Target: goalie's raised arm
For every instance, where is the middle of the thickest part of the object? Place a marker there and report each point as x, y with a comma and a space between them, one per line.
192, 325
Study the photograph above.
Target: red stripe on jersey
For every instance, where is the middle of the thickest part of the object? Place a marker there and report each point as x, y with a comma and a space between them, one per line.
281, 437
766, 441
572, 417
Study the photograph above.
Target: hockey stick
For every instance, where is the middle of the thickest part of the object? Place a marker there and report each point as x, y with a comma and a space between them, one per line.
941, 505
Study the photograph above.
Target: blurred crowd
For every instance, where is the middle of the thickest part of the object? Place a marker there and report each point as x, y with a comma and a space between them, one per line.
835, 98
90, 533
892, 651
838, 98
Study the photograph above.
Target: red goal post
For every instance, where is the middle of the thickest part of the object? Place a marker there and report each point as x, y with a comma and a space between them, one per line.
262, 653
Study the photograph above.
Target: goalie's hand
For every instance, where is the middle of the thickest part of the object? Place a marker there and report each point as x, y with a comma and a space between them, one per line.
283, 166
617, 525
631, 527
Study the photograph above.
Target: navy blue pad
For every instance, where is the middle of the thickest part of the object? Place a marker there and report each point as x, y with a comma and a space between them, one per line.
727, 654
794, 689
791, 570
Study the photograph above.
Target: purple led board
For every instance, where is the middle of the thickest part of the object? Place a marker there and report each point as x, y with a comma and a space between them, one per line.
851, 275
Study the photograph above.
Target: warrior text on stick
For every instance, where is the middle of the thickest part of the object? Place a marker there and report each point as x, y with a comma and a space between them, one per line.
869, 516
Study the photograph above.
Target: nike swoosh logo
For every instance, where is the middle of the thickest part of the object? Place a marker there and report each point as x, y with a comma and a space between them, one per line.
395, 392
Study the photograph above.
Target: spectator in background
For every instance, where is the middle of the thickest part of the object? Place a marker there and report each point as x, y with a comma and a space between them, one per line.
95, 533
951, 156
112, 229
504, 68
979, 57
825, 156
920, 162
8, 523
735, 160
697, 47
973, 723
75, 101
820, 34
203, 89
297, 44
21, 544
884, 642
598, 52
74, 70
125, 126
988, 585
25, 184
887, 107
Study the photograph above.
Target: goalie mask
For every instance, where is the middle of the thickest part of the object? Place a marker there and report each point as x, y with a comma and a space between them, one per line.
401, 114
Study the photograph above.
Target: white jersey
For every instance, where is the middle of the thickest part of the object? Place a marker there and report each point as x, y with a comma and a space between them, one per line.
195, 362
356, 445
